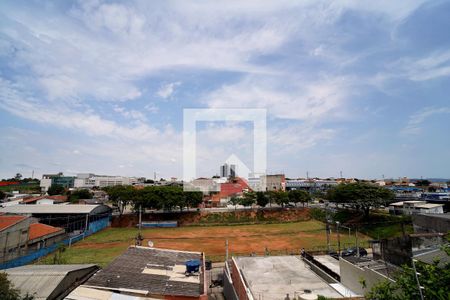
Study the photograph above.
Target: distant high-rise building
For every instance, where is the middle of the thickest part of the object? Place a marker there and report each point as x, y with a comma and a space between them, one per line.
227, 170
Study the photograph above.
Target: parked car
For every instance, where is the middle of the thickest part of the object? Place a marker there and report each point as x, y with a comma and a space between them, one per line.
352, 251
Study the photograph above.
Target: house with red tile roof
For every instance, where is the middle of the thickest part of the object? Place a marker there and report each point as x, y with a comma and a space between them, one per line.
42, 235
234, 187
56, 199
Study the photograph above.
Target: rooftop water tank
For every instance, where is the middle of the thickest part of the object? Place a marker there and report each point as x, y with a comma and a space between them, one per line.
193, 266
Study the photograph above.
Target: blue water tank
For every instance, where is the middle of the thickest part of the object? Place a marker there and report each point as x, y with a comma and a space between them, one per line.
193, 266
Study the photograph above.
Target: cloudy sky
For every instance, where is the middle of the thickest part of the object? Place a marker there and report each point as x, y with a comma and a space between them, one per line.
361, 87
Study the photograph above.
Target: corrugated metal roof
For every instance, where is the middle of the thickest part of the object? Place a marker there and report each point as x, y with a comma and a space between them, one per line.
150, 271
50, 209
41, 280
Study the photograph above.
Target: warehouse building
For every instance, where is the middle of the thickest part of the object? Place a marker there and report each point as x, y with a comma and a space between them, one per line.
72, 217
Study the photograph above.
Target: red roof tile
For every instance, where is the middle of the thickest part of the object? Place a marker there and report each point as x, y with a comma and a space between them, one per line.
38, 230
236, 186
7, 221
56, 198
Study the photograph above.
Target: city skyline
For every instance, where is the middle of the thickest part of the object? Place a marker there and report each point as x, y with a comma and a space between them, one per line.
100, 87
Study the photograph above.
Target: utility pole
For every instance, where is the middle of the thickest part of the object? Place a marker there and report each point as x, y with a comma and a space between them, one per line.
356, 237
327, 227
226, 250
338, 238
140, 218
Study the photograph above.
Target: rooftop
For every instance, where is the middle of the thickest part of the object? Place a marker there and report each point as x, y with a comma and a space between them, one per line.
433, 255
42, 280
380, 266
429, 205
38, 230
150, 271
54, 209
275, 276
7, 221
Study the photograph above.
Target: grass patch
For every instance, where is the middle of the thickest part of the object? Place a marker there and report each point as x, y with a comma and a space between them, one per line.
102, 247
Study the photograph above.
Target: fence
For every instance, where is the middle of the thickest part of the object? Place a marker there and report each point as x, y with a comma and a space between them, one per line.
94, 227
315, 250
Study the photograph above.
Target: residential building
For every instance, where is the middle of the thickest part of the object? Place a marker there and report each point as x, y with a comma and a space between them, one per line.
204, 185
146, 272
49, 282
277, 277
274, 182
355, 270
255, 184
415, 207
56, 199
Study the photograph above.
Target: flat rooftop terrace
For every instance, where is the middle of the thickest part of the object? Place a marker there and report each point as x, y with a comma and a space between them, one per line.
275, 276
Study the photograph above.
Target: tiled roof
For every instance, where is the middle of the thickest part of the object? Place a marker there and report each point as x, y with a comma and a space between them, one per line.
56, 198
38, 230
7, 221
151, 271
231, 188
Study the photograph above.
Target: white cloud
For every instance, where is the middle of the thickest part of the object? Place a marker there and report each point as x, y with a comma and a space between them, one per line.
130, 114
18, 103
431, 66
416, 120
167, 90
283, 98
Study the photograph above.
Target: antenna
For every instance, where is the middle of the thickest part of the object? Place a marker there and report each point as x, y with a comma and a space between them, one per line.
340, 174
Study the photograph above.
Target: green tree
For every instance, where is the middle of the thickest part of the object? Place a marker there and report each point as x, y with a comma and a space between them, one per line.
7, 290
193, 199
361, 196
55, 189
299, 196
234, 200
423, 182
261, 199
248, 199
79, 194
120, 196
434, 278
279, 197
18, 177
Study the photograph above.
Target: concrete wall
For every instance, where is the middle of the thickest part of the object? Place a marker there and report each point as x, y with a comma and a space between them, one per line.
228, 289
352, 275
238, 281
429, 223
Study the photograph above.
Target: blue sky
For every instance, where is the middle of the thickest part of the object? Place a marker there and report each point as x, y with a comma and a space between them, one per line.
360, 87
